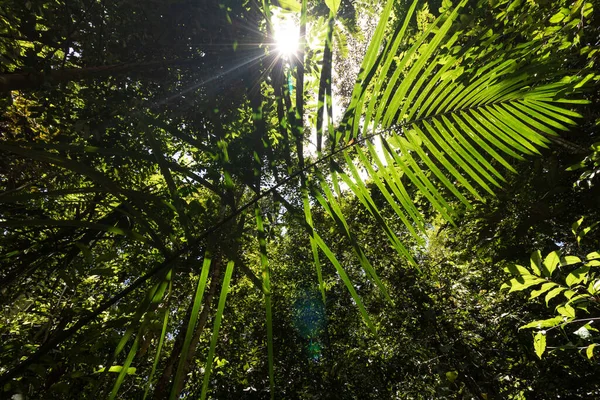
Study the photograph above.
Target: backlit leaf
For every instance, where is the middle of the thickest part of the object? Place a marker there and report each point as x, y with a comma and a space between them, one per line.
589, 352
544, 323
539, 343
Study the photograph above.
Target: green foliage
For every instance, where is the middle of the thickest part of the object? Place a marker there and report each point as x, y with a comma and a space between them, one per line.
590, 166
572, 284
147, 148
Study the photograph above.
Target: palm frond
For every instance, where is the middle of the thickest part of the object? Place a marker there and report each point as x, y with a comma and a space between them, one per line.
126, 364
191, 326
447, 125
161, 341
446, 122
266, 280
313, 244
216, 327
331, 206
154, 296
317, 242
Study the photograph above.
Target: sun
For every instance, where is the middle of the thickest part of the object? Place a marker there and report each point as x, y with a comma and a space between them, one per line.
287, 37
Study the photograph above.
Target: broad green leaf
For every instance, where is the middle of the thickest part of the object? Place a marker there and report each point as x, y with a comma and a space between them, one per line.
517, 270
544, 323
545, 287
578, 276
553, 293
567, 311
539, 343
556, 18
589, 352
451, 376
576, 225
594, 287
536, 262
551, 261
586, 230
523, 282
333, 5
593, 256
569, 260
569, 293
588, 8
579, 304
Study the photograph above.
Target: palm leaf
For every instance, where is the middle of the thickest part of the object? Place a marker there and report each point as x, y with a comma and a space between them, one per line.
126, 364
318, 242
345, 279
457, 120
332, 208
313, 244
216, 327
51, 223
360, 190
266, 279
191, 323
154, 297
99, 177
161, 341
445, 126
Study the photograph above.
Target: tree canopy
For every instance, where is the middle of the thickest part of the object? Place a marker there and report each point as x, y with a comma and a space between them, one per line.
190, 209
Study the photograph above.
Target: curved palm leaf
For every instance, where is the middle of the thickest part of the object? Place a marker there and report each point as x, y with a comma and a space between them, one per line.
436, 112
448, 116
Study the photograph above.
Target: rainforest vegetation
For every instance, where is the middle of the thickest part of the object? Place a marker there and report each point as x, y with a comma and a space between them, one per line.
299, 199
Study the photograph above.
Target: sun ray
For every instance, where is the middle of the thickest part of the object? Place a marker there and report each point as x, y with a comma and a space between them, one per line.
287, 37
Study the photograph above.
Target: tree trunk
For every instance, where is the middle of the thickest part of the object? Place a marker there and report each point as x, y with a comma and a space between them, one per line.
36, 80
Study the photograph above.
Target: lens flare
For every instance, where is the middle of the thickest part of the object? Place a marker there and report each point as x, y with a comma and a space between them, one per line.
287, 38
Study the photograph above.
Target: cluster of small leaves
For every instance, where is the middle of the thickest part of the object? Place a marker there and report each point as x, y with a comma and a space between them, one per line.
573, 282
590, 166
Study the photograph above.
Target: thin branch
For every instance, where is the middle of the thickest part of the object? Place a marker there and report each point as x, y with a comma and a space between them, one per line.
571, 322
